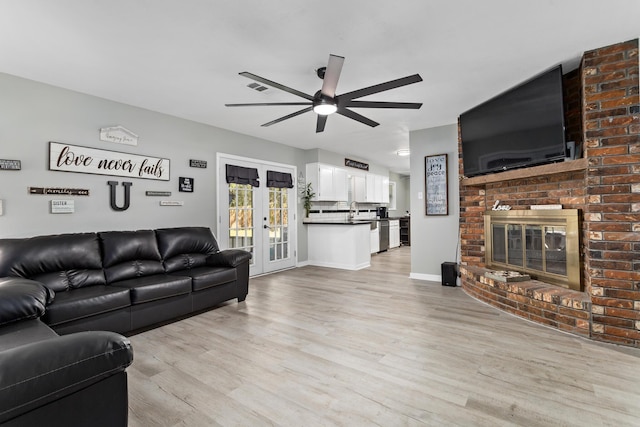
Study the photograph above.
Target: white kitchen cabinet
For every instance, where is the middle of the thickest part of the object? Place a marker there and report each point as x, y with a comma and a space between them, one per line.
375, 240
359, 189
328, 182
394, 233
377, 188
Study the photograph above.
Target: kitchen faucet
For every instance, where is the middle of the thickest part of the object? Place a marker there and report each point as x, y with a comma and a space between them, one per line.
351, 209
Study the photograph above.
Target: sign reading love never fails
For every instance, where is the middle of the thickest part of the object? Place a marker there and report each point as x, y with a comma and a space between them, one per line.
75, 158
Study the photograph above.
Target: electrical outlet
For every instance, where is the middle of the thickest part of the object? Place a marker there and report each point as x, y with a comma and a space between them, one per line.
1, 207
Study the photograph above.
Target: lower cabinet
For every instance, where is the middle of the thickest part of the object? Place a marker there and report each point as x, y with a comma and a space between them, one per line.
375, 240
394, 233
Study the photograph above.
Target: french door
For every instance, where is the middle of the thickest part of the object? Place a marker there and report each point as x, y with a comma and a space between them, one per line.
258, 219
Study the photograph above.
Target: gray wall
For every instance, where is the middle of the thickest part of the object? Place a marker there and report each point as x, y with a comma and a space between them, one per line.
402, 194
32, 114
433, 238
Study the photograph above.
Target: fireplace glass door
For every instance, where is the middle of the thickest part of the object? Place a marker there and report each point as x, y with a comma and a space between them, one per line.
535, 243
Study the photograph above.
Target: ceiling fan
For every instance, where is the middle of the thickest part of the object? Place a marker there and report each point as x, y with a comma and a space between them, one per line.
326, 102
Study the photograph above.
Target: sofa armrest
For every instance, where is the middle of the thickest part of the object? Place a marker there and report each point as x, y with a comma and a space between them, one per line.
35, 374
22, 299
228, 258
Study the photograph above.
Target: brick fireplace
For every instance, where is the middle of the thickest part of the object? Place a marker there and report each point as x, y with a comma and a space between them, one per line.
602, 115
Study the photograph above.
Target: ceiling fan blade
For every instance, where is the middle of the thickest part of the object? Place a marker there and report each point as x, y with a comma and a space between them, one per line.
381, 87
288, 116
357, 117
331, 75
374, 104
276, 85
261, 104
322, 120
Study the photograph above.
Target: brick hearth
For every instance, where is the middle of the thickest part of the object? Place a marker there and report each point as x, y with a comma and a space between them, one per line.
603, 115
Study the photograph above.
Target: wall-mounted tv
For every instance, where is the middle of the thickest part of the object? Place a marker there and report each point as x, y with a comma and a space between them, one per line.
523, 126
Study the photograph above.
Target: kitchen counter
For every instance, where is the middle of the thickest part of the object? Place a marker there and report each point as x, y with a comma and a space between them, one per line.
344, 244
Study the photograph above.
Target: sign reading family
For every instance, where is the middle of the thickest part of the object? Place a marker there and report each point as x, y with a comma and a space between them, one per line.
74, 158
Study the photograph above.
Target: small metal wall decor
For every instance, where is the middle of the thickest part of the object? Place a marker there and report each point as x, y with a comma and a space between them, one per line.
356, 164
119, 135
127, 195
186, 185
157, 193
198, 163
59, 191
10, 165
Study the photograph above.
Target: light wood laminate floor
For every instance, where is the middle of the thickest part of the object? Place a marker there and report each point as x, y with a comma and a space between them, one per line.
321, 347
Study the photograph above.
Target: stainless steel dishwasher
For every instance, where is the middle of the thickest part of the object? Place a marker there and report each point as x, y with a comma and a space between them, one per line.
383, 225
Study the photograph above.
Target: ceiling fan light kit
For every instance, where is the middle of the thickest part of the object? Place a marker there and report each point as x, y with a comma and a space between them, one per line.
326, 102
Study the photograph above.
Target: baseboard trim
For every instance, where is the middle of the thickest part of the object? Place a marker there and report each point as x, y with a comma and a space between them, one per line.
426, 277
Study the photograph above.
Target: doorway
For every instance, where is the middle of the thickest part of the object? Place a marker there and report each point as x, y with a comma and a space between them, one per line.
257, 211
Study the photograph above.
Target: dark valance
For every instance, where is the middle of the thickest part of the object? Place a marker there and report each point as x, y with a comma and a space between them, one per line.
279, 180
241, 175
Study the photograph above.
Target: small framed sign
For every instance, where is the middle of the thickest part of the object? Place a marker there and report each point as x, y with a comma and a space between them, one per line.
198, 163
186, 184
10, 165
62, 206
435, 174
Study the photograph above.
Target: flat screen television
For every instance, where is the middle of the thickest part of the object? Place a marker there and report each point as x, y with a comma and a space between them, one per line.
523, 126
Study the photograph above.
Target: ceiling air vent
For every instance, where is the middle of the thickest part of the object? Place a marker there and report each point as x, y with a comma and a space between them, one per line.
257, 87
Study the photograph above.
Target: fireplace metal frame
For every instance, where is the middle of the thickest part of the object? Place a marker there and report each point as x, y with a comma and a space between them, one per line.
555, 217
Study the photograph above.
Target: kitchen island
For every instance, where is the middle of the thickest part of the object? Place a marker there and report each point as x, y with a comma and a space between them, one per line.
339, 244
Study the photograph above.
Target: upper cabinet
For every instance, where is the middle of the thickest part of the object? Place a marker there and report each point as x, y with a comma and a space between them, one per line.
330, 183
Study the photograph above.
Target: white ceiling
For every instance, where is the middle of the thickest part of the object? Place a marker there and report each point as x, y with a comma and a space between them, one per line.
182, 57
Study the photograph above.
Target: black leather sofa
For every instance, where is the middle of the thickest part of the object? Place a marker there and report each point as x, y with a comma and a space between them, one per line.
46, 379
64, 300
122, 281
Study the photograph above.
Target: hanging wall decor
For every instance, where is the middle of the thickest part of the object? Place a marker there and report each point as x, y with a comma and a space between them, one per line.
112, 195
437, 199
10, 165
75, 158
119, 135
186, 185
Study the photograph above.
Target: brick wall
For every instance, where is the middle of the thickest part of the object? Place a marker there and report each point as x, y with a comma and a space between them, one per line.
612, 216
607, 194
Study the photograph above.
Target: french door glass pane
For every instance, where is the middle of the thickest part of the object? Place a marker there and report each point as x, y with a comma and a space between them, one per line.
241, 217
279, 224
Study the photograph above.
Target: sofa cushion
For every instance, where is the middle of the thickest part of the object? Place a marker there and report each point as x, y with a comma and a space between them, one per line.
130, 254
185, 248
41, 258
25, 332
207, 277
150, 288
21, 299
85, 302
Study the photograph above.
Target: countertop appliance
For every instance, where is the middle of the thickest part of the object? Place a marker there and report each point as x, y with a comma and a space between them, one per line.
383, 226
381, 212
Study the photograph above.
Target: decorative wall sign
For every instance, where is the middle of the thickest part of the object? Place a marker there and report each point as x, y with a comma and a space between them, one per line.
186, 185
10, 165
119, 135
62, 206
59, 191
74, 158
437, 200
112, 195
198, 163
356, 164
157, 193
171, 203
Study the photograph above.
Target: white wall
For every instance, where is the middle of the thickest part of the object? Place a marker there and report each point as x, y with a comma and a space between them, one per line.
433, 238
32, 114
402, 194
